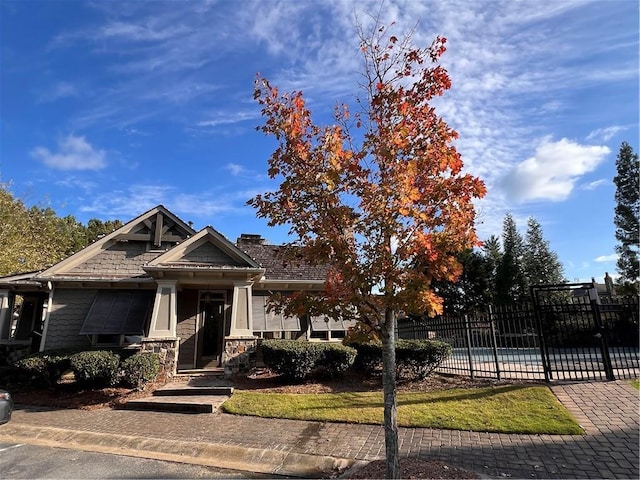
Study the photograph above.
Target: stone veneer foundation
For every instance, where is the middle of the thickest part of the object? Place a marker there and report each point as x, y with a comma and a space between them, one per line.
239, 354
167, 350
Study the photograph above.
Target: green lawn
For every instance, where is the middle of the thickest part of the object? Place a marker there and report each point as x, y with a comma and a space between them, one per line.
505, 409
636, 384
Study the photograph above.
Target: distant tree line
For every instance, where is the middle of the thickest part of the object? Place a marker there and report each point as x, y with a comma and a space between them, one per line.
35, 238
502, 270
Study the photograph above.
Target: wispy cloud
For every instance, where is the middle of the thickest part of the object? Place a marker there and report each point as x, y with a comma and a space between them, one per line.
227, 118
74, 153
606, 258
553, 171
75, 183
130, 201
173, 57
59, 90
595, 184
605, 134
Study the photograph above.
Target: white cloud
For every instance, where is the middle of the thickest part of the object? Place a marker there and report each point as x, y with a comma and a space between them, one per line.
605, 134
226, 118
595, 184
235, 169
129, 202
606, 258
74, 153
75, 183
58, 91
553, 171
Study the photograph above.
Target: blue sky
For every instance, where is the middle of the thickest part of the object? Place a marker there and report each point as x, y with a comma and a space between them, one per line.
109, 108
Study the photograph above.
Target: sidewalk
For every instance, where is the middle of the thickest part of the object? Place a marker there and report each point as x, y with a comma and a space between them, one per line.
609, 412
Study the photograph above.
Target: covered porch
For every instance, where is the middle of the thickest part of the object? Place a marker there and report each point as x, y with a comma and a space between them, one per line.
206, 314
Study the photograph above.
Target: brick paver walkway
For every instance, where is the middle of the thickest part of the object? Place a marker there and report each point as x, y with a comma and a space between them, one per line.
609, 412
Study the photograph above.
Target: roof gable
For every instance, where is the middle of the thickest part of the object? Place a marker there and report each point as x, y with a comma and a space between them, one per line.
123, 252
207, 248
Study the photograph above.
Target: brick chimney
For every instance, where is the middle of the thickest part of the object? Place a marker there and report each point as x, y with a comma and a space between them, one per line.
250, 239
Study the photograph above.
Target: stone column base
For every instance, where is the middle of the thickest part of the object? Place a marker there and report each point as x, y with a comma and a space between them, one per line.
239, 354
167, 350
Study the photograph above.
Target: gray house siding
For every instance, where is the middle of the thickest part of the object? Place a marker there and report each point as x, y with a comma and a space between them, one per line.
209, 254
120, 259
68, 311
186, 328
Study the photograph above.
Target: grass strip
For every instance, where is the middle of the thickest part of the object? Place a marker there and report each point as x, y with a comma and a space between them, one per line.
504, 409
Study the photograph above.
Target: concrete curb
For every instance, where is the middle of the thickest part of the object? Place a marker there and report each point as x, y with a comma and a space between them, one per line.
278, 462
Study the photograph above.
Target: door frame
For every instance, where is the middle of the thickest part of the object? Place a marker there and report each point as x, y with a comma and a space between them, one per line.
218, 295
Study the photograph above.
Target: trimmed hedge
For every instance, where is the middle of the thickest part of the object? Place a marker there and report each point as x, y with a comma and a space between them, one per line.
369, 357
140, 369
415, 359
96, 367
45, 368
334, 359
296, 360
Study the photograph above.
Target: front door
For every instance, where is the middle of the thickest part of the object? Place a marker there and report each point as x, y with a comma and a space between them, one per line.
211, 330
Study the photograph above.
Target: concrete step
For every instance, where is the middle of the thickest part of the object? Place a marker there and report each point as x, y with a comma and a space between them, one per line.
186, 390
200, 373
203, 394
178, 403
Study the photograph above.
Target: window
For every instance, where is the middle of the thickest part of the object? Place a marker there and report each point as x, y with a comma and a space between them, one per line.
276, 325
118, 312
325, 328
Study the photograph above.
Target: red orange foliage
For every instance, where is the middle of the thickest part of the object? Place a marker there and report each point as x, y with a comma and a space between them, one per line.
387, 214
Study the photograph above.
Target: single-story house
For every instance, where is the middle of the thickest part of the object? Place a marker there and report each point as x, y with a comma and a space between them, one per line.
158, 285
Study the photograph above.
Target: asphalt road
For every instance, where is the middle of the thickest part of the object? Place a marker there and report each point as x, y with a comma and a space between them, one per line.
20, 461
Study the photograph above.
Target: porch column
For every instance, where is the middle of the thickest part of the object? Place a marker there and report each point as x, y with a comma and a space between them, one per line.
241, 314
164, 317
5, 315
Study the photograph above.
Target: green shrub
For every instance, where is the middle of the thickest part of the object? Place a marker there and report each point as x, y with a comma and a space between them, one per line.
45, 368
334, 359
140, 369
296, 360
416, 359
369, 357
292, 359
96, 367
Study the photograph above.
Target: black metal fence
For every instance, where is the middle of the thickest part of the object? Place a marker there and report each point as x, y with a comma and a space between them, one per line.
554, 338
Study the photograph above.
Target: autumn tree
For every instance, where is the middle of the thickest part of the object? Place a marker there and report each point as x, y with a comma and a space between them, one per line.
379, 197
627, 215
34, 238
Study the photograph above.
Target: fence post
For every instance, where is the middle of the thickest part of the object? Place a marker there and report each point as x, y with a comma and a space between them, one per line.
468, 332
494, 343
601, 334
546, 363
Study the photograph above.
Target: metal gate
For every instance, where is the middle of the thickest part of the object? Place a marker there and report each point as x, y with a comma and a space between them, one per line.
567, 333
585, 337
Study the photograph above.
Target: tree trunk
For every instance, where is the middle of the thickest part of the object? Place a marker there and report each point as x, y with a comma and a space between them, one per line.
389, 391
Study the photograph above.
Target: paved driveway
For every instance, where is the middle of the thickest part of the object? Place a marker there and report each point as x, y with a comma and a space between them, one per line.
609, 412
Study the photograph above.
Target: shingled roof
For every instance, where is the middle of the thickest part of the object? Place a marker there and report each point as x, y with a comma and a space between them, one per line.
277, 266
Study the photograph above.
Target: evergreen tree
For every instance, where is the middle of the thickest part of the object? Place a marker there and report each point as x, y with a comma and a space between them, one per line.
541, 264
627, 214
492, 254
471, 292
511, 285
